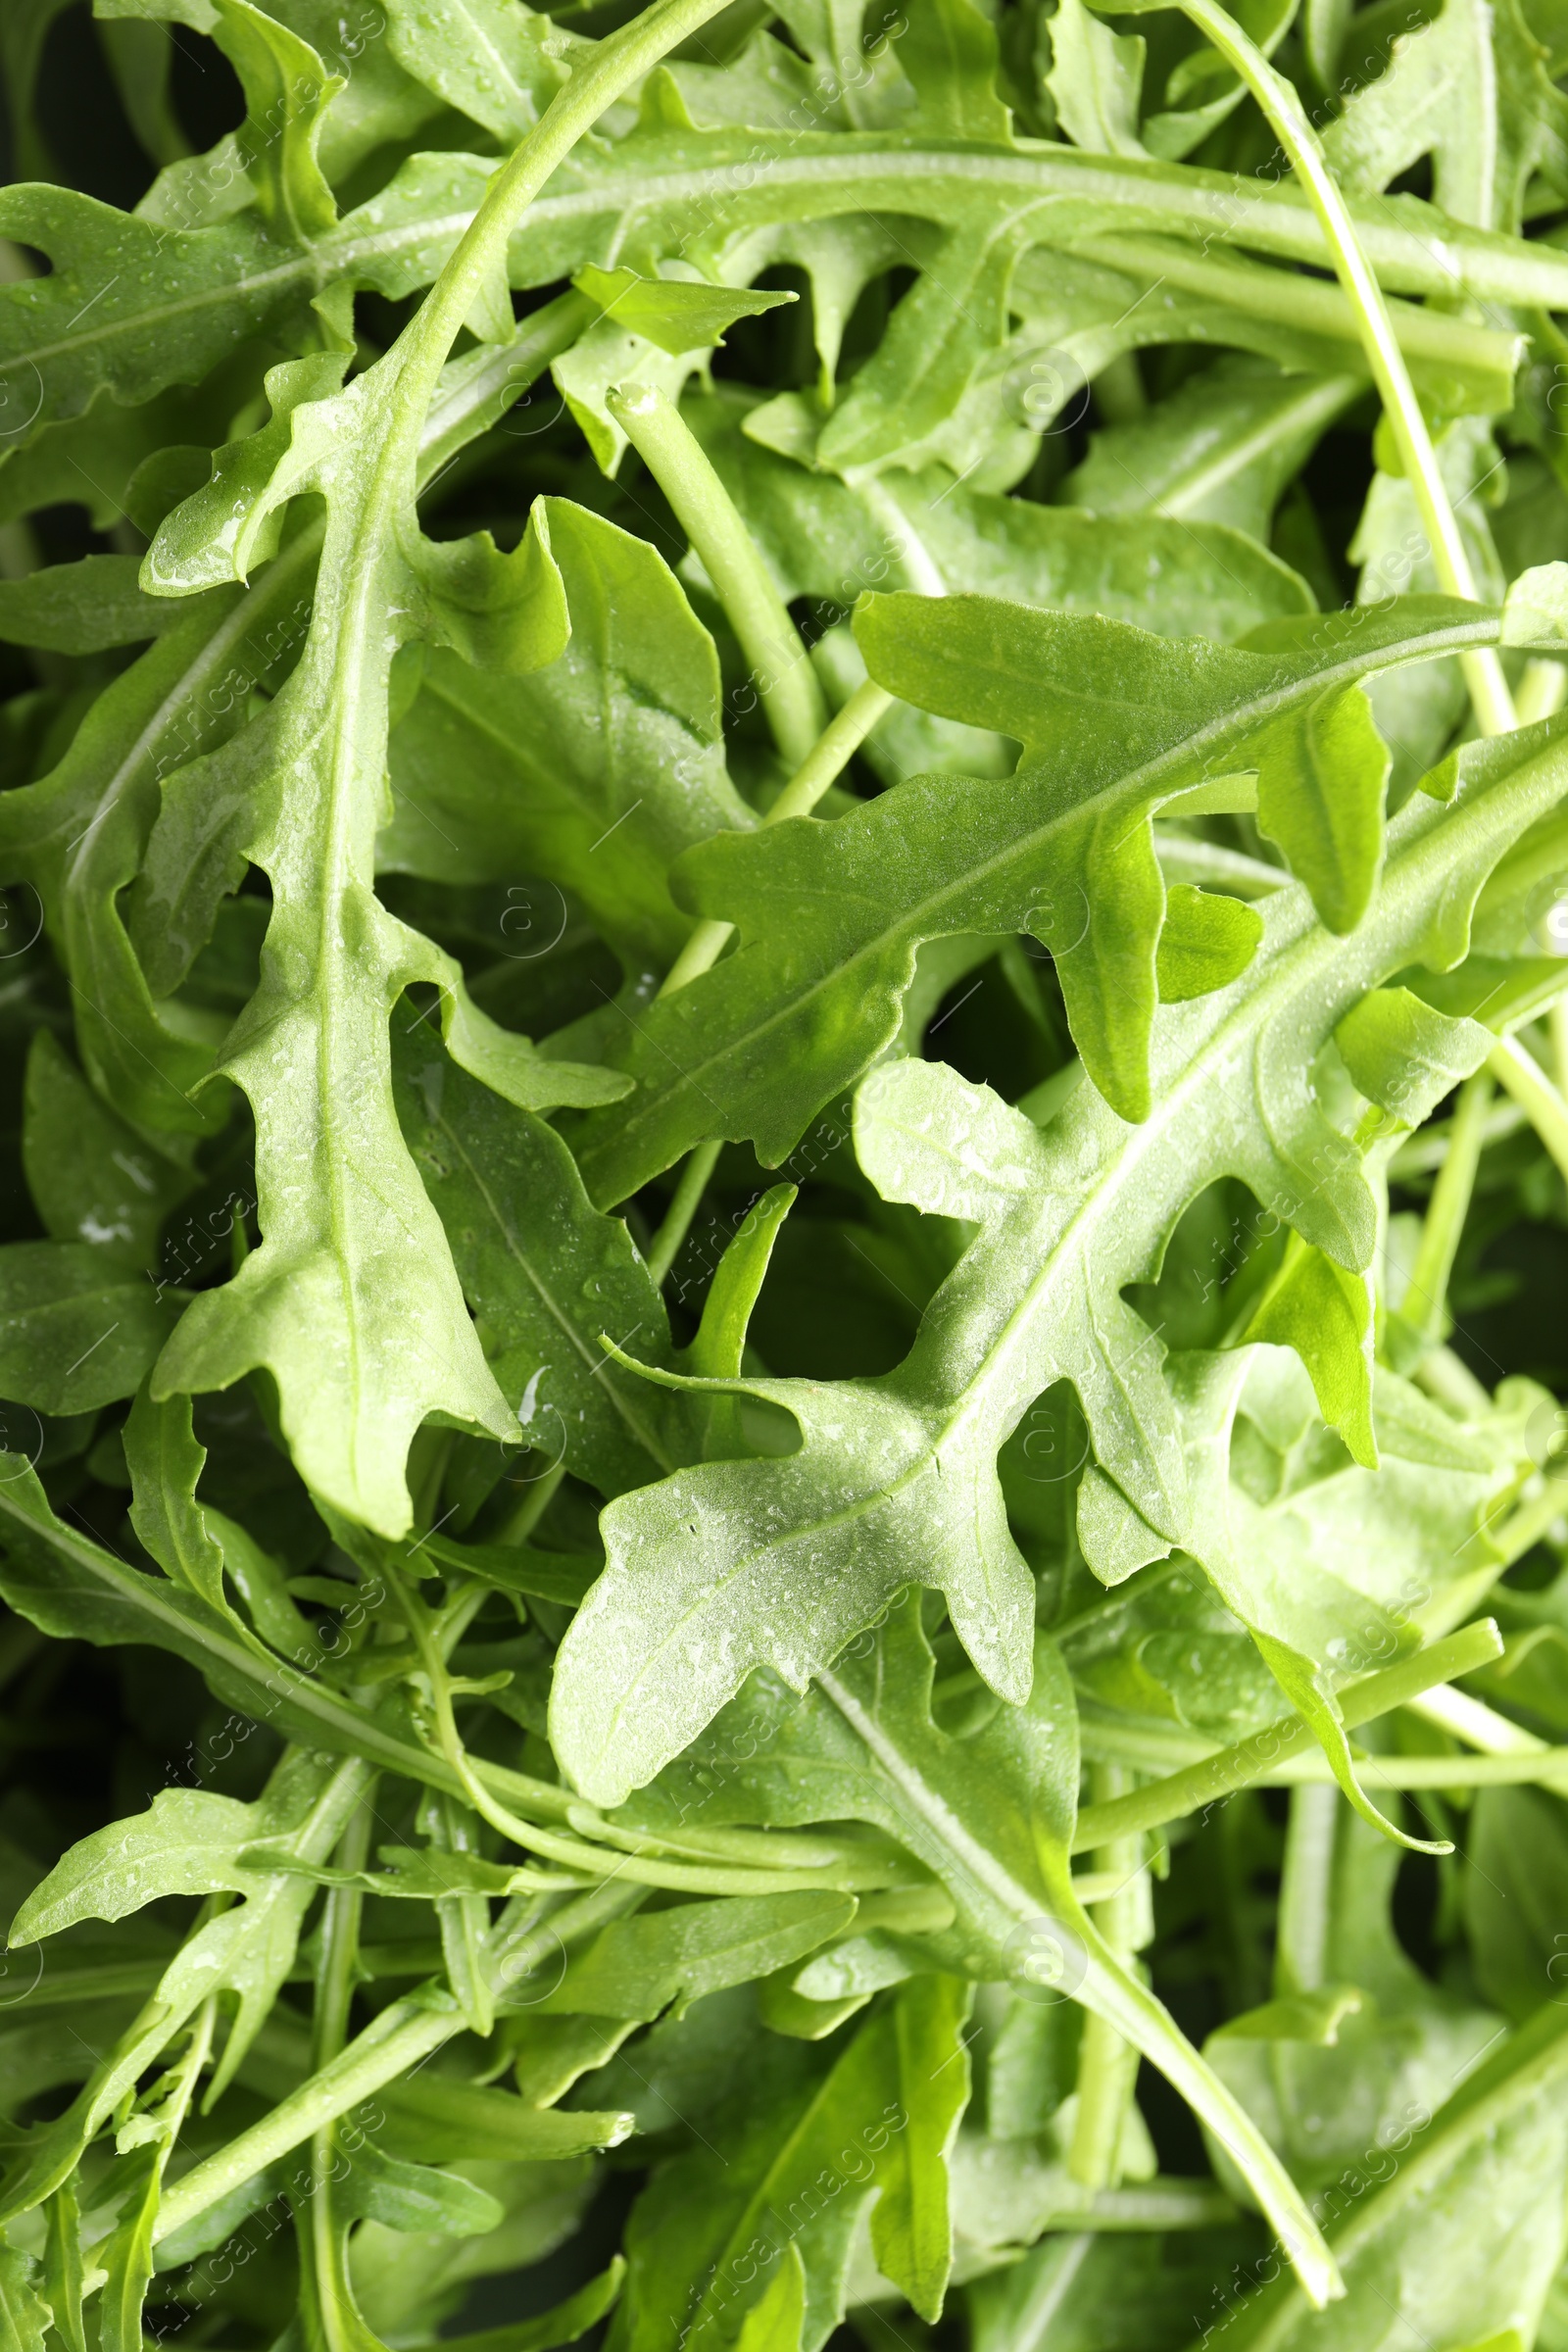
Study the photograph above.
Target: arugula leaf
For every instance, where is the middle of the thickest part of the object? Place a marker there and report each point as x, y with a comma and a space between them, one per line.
1052, 851
895, 1479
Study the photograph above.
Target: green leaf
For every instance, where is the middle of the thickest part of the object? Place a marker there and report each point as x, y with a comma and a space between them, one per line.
76, 1328
1205, 942
594, 772
1470, 91
187, 1842
1220, 448
912, 2233
564, 2324
676, 313
63, 2271
164, 1463
93, 1179
355, 1251
990, 1816
1410, 2247
1321, 780
1096, 80
1325, 1312
1062, 851
414, 2196
731, 1565
500, 64
773, 2324
81, 607
24, 2313
547, 1275
287, 87
638, 1967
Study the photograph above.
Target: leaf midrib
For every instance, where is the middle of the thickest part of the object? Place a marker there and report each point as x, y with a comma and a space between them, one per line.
1272, 220
1295, 967
910, 929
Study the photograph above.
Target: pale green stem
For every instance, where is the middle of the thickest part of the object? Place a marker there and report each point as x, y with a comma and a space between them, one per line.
1543, 1768
821, 767
404, 2036
1478, 1725
570, 1853
1287, 118
481, 252
1249, 1760
1447, 1377
1301, 1953
1542, 690
1542, 1105
542, 1492
1448, 1208
664, 1248
1108, 2065
327, 2300
781, 668
1559, 1044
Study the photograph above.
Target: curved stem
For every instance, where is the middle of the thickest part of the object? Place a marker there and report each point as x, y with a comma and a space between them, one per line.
781, 666
664, 1248
1287, 118
1522, 1075
1107, 2066
327, 2302
573, 1853
481, 251
1448, 1208
821, 768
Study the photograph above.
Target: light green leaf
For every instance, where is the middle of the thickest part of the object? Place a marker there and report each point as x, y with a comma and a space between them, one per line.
1097, 80
774, 2325
912, 2233
93, 1178
733, 1564
1321, 778
1205, 942
77, 1328
594, 772
287, 87
638, 1967
494, 60
678, 314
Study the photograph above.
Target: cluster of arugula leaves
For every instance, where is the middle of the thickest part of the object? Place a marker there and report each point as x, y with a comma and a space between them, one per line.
784, 830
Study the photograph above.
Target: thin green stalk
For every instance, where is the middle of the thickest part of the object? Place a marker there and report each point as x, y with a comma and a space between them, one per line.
1249, 1760
328, 2300
1287, 118
1301, 1950
573, 1853
542, 1492
1108, 2065
394, 2043
480, 255
781, 666
821, 767
1448, 1208
1542, 1105
664, 1248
